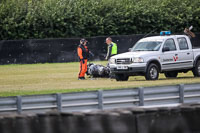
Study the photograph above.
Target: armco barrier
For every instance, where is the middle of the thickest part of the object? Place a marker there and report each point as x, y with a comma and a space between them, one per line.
181, 119
103, 99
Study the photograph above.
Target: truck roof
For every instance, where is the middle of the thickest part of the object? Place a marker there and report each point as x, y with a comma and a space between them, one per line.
157, 38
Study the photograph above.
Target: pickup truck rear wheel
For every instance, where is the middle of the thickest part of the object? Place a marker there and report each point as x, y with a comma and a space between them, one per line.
196, 69
121, 77
171, 74
152, 72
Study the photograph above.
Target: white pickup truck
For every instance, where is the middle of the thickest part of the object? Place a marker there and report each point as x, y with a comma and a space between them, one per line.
169, 54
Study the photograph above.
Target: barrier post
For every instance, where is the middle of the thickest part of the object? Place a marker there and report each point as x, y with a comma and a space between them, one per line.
59, 101
181, 93
141, 96
100, 99
19, 104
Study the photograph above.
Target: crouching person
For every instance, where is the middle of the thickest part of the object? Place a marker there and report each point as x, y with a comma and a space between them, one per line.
83, 54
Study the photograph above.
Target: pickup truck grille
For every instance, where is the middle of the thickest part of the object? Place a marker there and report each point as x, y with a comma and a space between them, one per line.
123, 61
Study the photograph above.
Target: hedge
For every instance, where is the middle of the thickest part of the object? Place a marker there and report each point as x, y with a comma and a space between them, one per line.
27, 19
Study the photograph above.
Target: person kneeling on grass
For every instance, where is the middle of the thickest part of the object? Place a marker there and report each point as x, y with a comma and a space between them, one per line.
83, 54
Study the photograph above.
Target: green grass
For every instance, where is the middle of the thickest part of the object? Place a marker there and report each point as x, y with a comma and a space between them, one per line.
29, 79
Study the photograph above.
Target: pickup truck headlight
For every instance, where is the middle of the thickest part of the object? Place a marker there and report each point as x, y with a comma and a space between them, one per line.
112, 61
137, 60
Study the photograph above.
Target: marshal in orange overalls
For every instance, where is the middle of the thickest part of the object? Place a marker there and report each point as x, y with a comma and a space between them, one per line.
83, 54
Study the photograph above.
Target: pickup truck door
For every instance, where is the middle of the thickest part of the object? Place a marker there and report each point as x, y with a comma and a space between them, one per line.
169, 57
185, 54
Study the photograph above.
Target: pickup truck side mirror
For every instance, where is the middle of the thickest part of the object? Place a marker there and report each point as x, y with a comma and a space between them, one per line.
165, 49
129, 50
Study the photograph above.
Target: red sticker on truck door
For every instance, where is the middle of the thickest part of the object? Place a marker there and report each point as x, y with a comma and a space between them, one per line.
175, 58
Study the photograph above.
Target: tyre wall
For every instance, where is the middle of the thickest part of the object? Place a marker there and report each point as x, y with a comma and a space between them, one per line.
183, 119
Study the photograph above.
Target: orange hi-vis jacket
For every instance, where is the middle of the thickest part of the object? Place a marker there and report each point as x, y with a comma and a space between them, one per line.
83, 53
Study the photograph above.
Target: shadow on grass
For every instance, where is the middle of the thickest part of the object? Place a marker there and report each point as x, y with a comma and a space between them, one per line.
164, 79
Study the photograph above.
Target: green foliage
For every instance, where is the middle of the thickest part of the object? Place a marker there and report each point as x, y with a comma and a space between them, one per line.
26, 19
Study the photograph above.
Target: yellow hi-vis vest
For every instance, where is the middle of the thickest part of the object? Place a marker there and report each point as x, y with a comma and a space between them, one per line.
114, 48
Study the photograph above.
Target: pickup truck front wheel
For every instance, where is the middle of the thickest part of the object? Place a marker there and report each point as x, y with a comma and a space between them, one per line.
171, 74
152, 72
196, 69
121, 77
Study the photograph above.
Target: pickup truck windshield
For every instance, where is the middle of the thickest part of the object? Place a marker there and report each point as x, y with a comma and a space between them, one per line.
147, 46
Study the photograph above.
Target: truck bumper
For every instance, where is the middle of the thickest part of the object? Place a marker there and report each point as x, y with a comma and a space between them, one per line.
129, 69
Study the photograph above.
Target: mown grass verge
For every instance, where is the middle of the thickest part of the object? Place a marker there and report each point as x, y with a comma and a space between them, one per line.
31, 79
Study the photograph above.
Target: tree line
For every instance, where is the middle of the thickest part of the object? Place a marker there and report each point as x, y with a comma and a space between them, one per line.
28, 19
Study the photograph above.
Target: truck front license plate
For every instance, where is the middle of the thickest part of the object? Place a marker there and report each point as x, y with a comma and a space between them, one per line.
122, 67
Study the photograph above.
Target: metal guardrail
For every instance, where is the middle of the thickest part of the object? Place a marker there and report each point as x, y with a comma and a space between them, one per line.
103, 99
